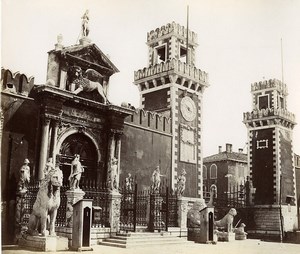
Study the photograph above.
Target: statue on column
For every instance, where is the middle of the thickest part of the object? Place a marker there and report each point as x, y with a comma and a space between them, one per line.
24, 176
49, 166
76, 172
155, 179
85, 24
181, 179
112, 174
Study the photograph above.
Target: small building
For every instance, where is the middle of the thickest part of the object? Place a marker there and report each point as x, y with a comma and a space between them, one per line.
224, 171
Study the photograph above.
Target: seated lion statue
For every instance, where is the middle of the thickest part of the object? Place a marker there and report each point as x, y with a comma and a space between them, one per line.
46, 204
88, 81
227, 220
193, 215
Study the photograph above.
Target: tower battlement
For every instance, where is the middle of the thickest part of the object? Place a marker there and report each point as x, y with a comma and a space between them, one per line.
172, 29
16, 83
150, 120
269, 84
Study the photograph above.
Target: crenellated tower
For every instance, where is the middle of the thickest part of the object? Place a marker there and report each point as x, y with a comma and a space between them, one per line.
271, 157
172, 86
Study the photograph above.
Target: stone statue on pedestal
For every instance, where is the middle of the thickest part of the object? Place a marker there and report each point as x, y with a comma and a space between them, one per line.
24, 176
76, 172
181, 179
155, 179
85, 24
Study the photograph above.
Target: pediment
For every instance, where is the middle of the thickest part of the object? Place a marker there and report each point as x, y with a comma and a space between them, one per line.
89, 56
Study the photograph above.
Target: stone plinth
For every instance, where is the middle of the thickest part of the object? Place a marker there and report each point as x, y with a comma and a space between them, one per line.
241, 236
182, 207
114, 211
84, 41
226, 236
40, 243
194, 234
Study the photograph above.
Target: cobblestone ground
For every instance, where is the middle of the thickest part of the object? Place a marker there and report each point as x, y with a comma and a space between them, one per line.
241, 247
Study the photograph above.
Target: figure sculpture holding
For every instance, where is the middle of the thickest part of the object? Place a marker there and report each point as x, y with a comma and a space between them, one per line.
24, 176
89, 81
76, 171
112, 174
155, 179
46, 204
85, 24
181, 183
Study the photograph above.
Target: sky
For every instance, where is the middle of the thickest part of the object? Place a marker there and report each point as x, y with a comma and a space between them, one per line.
239, 44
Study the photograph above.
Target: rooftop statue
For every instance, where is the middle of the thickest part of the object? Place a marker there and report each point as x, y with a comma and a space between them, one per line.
85, 24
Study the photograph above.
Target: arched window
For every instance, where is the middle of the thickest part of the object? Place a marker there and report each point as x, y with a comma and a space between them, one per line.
213, 171
204, 172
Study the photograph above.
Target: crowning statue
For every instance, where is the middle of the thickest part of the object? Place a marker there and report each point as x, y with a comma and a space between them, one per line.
24, 176
76, 171
85, 24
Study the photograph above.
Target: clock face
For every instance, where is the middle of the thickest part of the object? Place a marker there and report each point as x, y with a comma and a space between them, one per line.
188, 108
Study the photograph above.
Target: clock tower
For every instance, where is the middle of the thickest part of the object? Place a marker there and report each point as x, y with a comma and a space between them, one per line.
172, 86
271, 158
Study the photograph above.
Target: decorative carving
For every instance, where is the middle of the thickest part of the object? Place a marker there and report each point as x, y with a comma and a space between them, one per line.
24, 176
47, 203
129, 183
112, 175
76, 171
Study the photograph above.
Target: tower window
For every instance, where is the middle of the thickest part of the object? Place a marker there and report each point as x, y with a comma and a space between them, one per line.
263, 101
261, 144
161, 54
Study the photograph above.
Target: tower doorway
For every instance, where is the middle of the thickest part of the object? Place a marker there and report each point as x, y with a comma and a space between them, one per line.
81, 144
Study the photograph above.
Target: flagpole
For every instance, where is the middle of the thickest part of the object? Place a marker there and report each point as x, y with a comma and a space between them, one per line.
282, 80
187, 35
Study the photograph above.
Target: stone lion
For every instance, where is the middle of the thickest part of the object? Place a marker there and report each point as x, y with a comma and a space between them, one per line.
46, 204
227, 220
193, 215
87, 81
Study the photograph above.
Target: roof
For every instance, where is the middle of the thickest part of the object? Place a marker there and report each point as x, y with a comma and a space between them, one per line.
225, 156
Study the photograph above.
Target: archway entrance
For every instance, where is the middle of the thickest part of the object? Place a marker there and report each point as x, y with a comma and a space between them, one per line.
79, 143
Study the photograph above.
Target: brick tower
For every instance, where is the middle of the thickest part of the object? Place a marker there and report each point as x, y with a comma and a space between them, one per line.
271, 158
172, 86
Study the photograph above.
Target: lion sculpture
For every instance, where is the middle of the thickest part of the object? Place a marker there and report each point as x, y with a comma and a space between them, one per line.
88, 81
227, 220
46, 204
193, 215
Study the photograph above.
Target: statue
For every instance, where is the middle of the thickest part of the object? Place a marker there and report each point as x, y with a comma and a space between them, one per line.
181, 183
112, 174
24, 176
155, 178
227, 220
85, 24
47, 202
49, 166
194, 218
76, 171
240, 233
129, 182
89, 81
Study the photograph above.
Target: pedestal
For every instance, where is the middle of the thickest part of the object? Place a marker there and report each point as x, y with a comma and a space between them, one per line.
226, 237
84, 41
73, 196
182, 212
114, 211
39, 243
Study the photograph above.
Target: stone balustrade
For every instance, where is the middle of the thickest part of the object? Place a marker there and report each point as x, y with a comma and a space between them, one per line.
269, 112
176, 65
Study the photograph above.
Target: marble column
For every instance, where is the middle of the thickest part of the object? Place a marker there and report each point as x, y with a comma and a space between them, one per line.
44, 147
54, 140
111, 154
118, 154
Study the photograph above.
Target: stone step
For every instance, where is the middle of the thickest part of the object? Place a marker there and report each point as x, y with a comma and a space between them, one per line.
139, 240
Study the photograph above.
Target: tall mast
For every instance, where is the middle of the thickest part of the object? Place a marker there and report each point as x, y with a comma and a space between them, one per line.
187, 35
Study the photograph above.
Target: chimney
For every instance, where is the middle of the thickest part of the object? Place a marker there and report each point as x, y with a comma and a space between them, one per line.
220, 149
240, 150
228, 148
